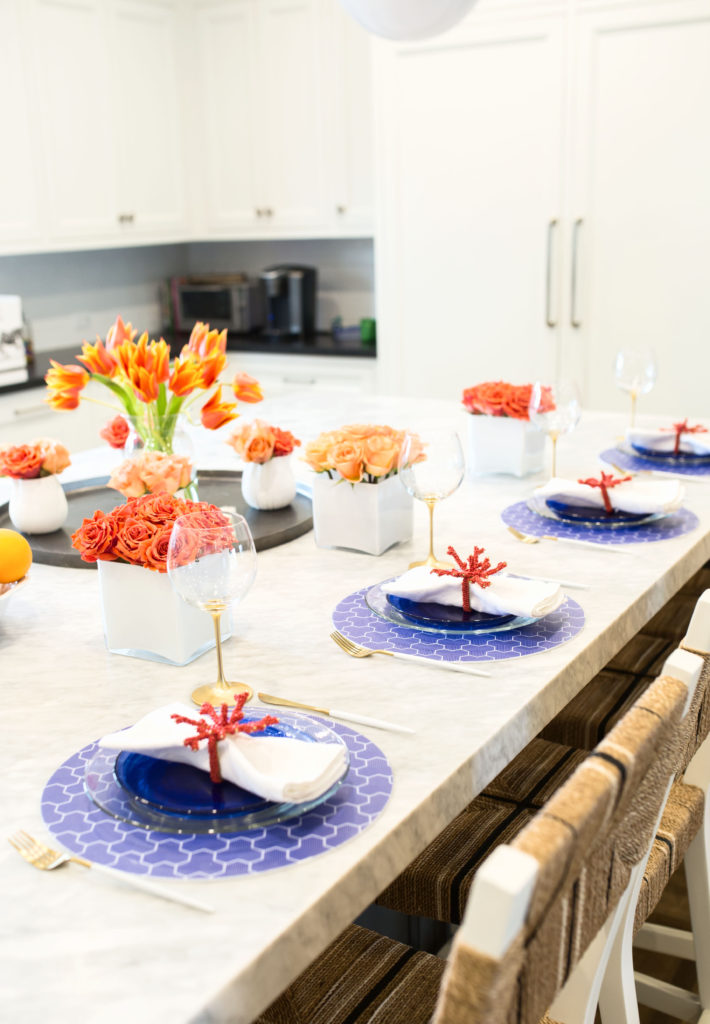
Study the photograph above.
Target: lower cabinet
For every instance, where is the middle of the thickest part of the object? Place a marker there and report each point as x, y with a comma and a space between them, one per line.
25, 416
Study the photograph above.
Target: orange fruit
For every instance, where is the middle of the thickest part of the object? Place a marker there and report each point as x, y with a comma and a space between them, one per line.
15, 556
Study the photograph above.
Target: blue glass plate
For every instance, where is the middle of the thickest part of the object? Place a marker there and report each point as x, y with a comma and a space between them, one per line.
382, 605
670, 458
447, 615
178, 798
594, 516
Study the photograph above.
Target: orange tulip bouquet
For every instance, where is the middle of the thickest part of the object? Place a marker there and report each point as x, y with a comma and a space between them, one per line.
375, 512
153, 390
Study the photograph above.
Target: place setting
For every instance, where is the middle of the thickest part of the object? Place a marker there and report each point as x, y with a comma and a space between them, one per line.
452, 613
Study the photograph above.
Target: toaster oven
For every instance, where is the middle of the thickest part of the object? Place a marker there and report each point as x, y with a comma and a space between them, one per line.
232, 301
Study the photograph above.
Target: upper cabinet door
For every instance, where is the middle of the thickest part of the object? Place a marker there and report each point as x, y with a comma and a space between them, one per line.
641, 168
19, 212
149, 151
75, 117
469, 141
291, 142
226, 115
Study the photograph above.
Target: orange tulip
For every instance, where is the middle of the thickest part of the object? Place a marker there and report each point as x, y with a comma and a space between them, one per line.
118, 333
216, 413
246, 388
63, 399
146, 364
97, 359
210, 368
66, 377
204, 342
186, 375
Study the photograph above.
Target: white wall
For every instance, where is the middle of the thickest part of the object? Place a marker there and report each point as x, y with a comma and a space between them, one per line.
68, 297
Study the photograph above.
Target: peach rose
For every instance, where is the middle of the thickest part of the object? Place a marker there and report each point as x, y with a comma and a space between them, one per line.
380, 455
127, 479
253, 442
347, 458
55, 457
359, 431
318, 453
162, 472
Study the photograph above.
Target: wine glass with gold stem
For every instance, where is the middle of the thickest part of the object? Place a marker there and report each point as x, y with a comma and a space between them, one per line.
635, 373
431, 467
211, 564
555, 410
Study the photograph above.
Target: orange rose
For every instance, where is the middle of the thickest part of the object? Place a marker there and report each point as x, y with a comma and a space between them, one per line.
380, 455
95, 538
159, 508
55, 457
21, 462
359, 431
132, 539
116, 432
155, 552
347, 458
246, 388
284, 442
254, 442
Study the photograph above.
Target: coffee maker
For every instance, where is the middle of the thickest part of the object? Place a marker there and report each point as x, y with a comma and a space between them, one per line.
289, 293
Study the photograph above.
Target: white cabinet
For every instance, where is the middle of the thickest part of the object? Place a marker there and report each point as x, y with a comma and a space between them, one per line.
544, 200
283, 114
25, 416
279, 374
19, 203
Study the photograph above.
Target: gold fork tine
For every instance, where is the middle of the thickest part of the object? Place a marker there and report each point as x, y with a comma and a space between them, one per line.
524, 537
349, 646
357, 651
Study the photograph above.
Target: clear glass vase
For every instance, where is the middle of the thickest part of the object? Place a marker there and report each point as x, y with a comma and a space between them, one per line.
168, 434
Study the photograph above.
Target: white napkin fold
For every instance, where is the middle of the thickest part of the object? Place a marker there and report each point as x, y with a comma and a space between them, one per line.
641, 497
276, 768
506, 595
663, 441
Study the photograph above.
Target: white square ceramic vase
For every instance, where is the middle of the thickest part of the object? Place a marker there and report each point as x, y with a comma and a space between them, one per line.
144, 617
502, 444
363, 517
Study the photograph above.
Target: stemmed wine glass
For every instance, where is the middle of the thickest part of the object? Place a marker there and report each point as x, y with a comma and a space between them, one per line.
431, 468
211, 563
555, 409
635, 372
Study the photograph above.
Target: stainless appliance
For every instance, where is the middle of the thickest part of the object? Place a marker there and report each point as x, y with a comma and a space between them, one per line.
289, 293
13, 355
221, 300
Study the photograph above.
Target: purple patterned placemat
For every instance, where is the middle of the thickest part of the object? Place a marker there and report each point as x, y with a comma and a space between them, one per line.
355, 620
524, 519
637, 462
81, 827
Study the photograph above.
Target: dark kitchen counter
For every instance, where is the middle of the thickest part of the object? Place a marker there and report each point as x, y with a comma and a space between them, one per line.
320, 344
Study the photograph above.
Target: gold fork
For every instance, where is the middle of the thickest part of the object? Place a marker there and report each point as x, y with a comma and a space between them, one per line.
357, 651
527, 538
41, 856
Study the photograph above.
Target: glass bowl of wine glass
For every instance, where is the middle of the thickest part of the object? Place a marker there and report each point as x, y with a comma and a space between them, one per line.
555, 409
635, 373
212, 564
431, 466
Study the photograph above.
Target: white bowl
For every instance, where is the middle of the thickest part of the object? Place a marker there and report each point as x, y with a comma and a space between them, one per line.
6, 592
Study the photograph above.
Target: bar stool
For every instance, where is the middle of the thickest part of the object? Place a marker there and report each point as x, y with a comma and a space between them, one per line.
551, 900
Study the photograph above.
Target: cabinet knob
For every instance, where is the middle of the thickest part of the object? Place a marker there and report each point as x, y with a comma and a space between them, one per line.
269, 212
126, 218
340, 208
259, 212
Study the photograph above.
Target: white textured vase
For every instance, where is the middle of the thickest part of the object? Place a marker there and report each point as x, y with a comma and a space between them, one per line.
269, 485
363, 517
502, 444
38, 505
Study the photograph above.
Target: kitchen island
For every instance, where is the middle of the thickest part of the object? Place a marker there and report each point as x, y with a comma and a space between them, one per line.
74, 947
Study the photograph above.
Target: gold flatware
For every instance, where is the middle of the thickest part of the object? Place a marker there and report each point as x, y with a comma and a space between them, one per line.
356, 651
527, 538
347, 716
41, 856
656, 474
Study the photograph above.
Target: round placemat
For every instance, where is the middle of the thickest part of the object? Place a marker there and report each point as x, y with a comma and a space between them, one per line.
524, 519
618, 457
354, 619
81, 827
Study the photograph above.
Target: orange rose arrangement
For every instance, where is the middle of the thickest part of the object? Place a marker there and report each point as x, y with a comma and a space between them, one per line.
151, 389
359, 453
138, 532
150, 473
499, 398
43, 457
259, 442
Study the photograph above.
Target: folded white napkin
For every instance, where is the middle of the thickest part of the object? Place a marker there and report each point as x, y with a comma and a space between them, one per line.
641, 497
276, 768
663, 441
506, 595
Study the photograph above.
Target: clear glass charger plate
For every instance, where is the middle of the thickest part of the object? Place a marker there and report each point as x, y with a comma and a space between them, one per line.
587, 516
377, 601
666, 459
177, 798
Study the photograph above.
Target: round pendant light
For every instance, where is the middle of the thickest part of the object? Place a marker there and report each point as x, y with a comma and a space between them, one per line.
407, 19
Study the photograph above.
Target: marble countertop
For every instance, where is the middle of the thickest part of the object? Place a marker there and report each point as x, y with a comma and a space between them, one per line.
75, 947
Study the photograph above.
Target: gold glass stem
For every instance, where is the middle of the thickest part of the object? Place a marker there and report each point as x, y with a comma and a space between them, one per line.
634, 396
553, 437
216, 616
430, 504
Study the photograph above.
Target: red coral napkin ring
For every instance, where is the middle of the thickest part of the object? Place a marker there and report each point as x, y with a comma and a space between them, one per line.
683, 428
607, 481
223, 724
470, 571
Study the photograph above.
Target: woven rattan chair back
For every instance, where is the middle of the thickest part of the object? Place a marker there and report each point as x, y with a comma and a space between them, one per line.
584, 844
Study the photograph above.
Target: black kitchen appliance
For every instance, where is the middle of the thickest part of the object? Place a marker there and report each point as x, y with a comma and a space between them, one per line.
221, 300
289, 293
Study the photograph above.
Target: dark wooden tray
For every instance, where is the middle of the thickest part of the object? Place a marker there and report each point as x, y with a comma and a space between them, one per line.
220, 487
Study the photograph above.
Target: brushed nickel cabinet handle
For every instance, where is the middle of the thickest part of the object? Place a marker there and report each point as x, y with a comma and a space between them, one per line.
126, 218
575, 318
340, 208
269, 212
550, 319
30, 410
259, 213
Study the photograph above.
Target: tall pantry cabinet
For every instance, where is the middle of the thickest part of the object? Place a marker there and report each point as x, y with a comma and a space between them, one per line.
542, 174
